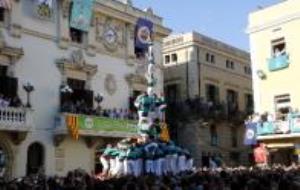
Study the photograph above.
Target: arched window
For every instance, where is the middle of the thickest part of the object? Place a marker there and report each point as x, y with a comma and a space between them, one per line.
35, 158
3, 162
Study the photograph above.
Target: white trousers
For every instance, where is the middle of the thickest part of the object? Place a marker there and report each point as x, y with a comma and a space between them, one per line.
112, 165
105, 164
119, 168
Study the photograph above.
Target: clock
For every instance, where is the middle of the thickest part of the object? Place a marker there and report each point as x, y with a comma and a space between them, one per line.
110, 38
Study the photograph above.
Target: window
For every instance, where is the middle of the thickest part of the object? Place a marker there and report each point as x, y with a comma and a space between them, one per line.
76, 84
171, 93
3, 70
278, 47
249, 103
213, 135
282, 106
2, 14
232, 65
229, 64
78, 96
174, 57
234, 137
167, 59
75, 34
210, 58
8, 85
247, 70
207, 57
232, 102
212, 93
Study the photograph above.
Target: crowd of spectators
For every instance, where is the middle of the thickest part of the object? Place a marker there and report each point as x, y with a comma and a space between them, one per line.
241, 178
10, 102
81, 107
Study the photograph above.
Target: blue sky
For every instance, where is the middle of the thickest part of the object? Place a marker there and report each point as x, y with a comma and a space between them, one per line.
225, 20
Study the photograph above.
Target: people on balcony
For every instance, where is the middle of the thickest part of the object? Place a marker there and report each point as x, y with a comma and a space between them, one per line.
204, 109
10, 102
279, 52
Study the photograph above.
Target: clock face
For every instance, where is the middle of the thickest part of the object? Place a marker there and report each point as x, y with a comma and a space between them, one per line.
110, 36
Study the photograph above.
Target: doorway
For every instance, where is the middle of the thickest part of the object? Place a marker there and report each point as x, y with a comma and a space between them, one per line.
35, 158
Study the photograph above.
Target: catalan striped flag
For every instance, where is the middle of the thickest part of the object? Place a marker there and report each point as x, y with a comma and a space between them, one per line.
73, 125
6, 4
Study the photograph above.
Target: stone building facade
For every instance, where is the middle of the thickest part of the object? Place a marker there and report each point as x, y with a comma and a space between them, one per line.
208, 83
39, 46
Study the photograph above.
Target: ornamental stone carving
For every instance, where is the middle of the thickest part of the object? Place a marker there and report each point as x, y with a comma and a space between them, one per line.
110, 32
77, 58
110, 84
76, 62
66, 7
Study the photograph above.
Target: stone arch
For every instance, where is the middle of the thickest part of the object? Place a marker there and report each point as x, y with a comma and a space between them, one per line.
36, 155
9, 156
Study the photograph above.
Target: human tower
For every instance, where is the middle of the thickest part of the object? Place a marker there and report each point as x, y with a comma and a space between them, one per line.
151, 151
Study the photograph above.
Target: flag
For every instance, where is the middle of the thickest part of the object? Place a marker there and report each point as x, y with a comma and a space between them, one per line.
6, 4
143, 33
250, 135
81, 14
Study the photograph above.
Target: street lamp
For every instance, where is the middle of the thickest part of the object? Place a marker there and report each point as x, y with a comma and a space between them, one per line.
261, 74
28, 87
98, 99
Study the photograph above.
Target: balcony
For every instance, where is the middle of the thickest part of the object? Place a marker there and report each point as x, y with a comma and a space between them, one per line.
94, 126
279, 62
287, 129
15, 119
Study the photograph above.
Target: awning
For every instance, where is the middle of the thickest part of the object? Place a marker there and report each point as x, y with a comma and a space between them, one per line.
6, 4
280, 145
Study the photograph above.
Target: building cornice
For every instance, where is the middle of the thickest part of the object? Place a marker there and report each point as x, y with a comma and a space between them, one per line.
207, 47
273, 23
128, 15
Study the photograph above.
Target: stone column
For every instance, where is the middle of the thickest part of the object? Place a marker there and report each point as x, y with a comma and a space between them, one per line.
15, 16
193, 72
63, 24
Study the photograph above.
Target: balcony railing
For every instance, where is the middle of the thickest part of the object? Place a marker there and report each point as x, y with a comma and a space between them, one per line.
204, 110
15, 119
287, 127
278, 62
88, 125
